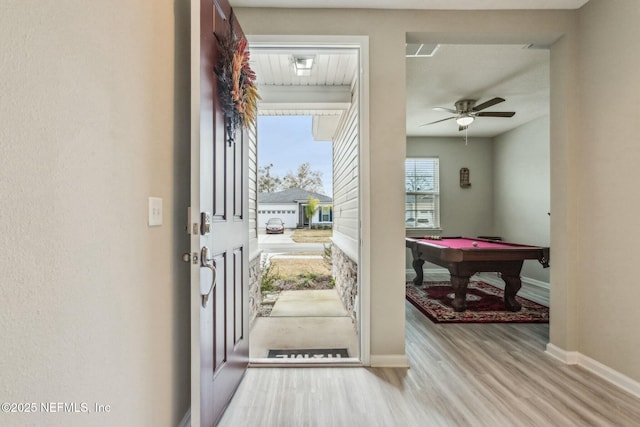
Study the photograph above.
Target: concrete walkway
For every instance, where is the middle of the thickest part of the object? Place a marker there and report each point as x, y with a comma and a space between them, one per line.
278, 239
311, 303
304, 319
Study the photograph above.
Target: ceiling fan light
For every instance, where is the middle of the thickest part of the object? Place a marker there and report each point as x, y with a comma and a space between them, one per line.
465, 120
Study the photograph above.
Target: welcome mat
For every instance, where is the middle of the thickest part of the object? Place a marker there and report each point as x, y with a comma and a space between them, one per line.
312, 353
485, 304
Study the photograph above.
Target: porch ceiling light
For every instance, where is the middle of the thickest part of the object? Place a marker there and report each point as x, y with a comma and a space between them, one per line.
302, 65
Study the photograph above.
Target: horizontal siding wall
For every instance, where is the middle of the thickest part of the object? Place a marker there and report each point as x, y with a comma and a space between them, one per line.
345, 180
252, 133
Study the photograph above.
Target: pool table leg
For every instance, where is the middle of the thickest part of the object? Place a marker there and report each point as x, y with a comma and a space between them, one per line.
459, 284
417, 266
513, 285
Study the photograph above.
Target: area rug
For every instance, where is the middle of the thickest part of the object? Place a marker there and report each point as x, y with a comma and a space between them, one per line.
312, 353
485, 304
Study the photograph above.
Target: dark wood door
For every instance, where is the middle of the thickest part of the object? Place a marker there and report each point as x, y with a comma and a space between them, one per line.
222, 194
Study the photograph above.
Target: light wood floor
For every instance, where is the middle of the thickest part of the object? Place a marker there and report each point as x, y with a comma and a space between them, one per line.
460, 375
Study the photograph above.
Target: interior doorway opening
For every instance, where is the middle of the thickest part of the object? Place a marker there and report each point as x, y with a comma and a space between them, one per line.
311, 319
505, 145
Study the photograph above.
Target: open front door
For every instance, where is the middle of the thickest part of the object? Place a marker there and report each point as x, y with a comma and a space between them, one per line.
218, 227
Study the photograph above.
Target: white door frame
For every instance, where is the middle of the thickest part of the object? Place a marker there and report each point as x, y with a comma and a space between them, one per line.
361, 44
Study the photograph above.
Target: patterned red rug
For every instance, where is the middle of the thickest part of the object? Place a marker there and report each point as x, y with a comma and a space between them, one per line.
484, 304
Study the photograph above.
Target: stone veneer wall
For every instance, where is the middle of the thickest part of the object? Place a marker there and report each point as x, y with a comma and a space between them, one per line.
345, 274
255, 296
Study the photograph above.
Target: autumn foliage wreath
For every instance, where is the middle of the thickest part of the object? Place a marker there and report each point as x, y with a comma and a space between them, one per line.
236, 82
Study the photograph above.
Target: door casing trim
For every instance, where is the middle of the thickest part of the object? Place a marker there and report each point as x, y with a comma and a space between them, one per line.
361, 44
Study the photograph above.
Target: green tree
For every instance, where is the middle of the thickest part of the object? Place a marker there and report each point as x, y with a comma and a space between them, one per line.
304, 178
311, 208
268, 183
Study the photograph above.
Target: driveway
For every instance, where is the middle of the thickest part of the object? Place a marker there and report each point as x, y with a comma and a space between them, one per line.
282, 243
275, 239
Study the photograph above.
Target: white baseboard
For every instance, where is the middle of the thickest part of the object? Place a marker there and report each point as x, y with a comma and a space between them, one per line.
536, 283
566, 357
186, 420
410, 272
603, 371
532, 289
494, 280
488, 277
389, 361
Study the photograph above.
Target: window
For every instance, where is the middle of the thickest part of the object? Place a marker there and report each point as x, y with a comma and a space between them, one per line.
422, 188
326, 215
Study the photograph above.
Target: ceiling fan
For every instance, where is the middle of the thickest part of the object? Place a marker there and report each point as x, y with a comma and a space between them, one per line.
466, 112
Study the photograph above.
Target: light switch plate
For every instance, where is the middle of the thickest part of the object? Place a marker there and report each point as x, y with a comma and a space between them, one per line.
155, 211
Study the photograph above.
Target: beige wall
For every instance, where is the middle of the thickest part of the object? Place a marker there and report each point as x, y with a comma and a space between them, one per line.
509, 193
93, 114
387, 32
94, 106
608, 196
463, 211
521, 189
591, 151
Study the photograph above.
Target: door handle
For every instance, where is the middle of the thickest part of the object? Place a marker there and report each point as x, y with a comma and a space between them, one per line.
206, 262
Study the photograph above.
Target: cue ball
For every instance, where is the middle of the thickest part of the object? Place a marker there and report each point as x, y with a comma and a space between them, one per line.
475, 244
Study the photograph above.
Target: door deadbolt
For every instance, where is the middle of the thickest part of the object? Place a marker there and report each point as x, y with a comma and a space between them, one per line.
205, 223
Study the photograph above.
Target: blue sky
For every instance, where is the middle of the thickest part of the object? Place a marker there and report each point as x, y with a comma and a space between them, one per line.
286, 141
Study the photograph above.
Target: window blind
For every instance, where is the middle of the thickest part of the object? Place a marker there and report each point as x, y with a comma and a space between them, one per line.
422, 188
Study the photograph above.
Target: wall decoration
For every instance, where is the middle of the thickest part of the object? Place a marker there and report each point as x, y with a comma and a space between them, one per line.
238, 93
464, 178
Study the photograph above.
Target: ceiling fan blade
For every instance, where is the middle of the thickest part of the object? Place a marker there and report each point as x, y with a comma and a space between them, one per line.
437, 121
488, 104
497, 114
444, 109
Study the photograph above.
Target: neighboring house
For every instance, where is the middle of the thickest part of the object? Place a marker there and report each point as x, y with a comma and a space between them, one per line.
289, 205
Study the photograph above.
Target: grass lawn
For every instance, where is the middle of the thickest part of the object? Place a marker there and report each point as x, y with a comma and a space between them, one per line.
304, 235
292, 267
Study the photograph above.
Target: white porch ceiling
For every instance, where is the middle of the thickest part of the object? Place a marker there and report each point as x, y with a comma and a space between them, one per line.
327, 98
332, 67
325, 94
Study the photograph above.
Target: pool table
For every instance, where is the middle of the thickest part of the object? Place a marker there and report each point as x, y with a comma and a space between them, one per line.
465, 256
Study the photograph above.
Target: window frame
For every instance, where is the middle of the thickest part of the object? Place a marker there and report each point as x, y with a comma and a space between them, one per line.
325, 211
412, 222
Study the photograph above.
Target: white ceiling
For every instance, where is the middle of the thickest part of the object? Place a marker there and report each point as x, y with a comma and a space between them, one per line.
480, 72
415, 4
454, 72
